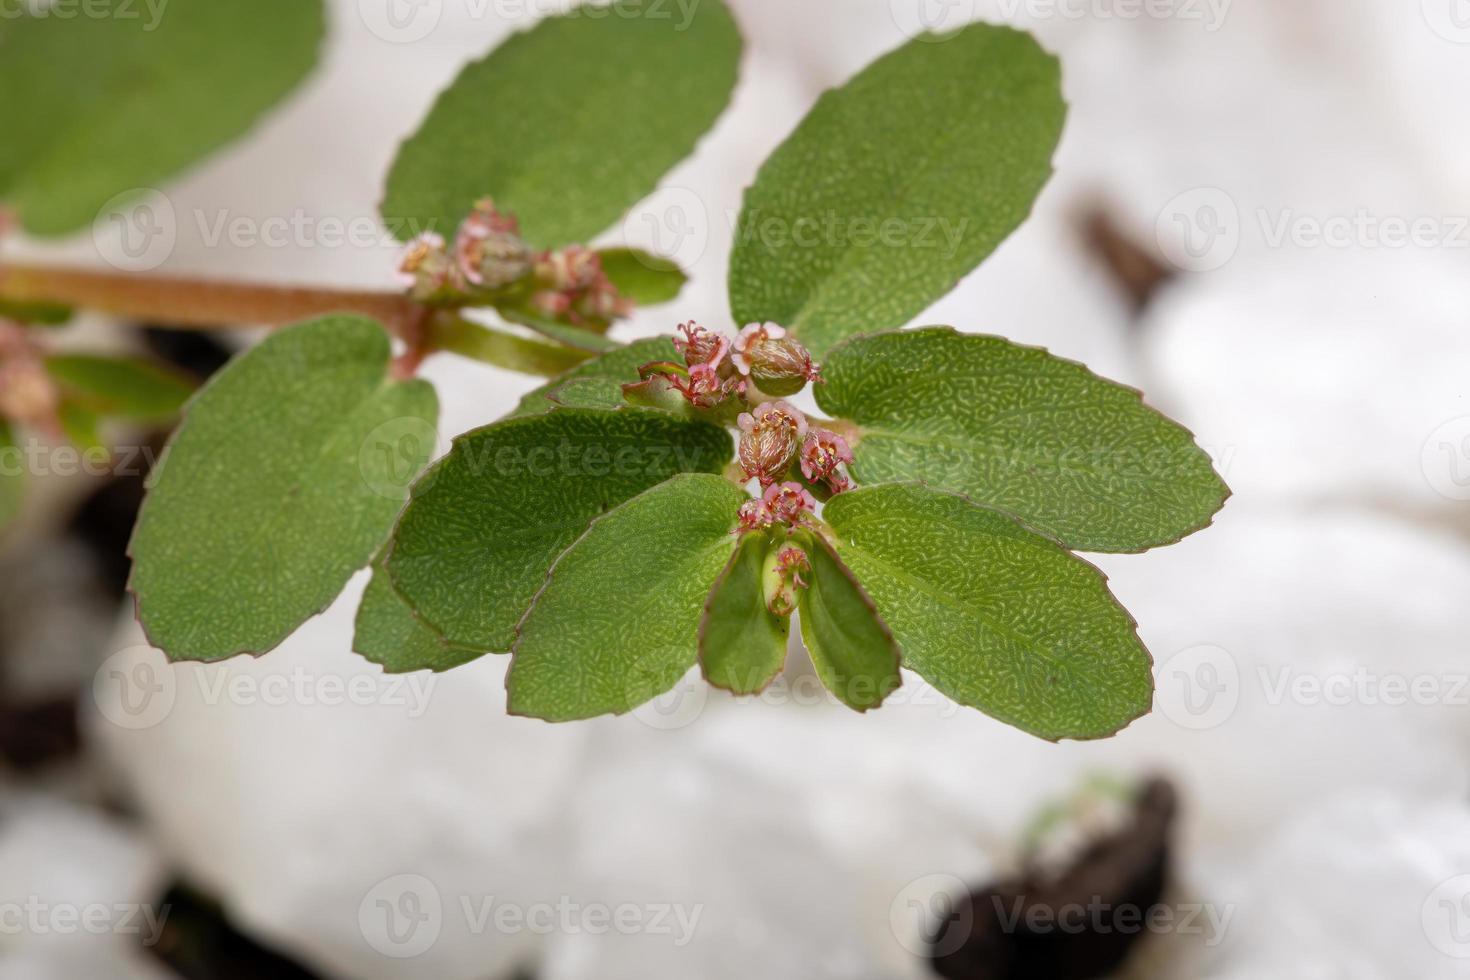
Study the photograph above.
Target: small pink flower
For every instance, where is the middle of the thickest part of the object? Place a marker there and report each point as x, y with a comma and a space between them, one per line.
788, 503
699, 345
703, 388
781, 587
752, 335
424, 262
488, 250
791, 561
552, 303
770, 436
823, 452
754, 516
28, 396
570, 269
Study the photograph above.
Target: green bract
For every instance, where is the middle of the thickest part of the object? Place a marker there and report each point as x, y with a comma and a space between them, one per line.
571, 123
1013, 427
485, 523
131, 93
742, 646
282, 480
993, 614
618, 620
850, 646
897, 184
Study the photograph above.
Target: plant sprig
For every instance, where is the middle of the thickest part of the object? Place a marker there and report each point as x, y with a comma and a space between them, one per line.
662, 504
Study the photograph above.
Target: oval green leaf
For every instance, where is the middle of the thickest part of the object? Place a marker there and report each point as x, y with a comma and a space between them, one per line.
133, 92
282, 480
851, 647
742, 646
571, 123
618, 620
486, 522
120, 387
1073, 455
897, 184
994, 615
388, 633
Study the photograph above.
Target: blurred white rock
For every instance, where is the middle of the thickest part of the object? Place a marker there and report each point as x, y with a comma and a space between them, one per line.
76, 889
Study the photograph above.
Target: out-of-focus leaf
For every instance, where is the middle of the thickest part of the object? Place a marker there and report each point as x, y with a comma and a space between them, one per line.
122, 387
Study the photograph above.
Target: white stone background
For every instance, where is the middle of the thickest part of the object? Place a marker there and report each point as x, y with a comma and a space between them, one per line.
1330, 382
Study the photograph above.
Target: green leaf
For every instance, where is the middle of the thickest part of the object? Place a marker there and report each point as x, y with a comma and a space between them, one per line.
897, 184
1071, 454
571, 123
620, 366
12, 475
283, 479
618, 621
35, 314
562, 333
133, 93
994, 615
388, 633
81, 428
485, 523
646, 279
850, 645
742, 645
125, 387
603, 393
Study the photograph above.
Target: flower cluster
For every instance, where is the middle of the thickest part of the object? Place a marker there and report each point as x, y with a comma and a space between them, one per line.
717, 370
711, 376
571, 284
786, 504
489, 259
775, 435
784, 578
28, 396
